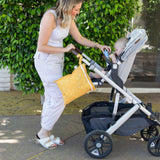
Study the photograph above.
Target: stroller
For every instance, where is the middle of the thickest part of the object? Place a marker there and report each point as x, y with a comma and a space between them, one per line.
125, 116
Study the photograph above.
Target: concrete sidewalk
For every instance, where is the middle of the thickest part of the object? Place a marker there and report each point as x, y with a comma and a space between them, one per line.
18, 130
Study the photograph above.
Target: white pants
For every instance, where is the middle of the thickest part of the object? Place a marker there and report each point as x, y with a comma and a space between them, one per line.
50, 68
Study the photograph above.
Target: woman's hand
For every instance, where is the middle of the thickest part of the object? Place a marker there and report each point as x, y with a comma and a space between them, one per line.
69, 47
101, 47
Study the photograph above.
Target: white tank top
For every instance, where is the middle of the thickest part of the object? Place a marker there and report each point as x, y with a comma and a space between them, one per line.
55, 40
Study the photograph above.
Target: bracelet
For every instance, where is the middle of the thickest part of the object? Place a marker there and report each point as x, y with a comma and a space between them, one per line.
95, 46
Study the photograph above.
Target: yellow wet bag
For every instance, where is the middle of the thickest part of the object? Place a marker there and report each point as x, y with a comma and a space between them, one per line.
76, 84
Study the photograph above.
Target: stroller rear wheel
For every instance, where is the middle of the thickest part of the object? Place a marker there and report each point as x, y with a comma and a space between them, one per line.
154, 146
149, 132
98, 144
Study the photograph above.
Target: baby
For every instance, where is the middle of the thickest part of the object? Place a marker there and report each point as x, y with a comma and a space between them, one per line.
119, 47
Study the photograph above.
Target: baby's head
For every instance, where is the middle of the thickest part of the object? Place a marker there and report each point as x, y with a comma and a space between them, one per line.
120, 45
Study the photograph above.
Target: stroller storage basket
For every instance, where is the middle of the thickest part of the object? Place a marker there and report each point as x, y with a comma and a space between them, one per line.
98, 116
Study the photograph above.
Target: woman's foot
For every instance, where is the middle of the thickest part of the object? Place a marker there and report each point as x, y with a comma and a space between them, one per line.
46, 142
43, 133
56, 140
43, 138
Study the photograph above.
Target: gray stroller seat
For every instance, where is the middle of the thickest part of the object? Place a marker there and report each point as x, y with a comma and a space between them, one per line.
137, 39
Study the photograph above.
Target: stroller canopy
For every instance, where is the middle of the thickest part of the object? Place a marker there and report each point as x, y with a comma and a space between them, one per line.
136, 40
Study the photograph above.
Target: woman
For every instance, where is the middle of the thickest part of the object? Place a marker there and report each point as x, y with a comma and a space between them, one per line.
55, 26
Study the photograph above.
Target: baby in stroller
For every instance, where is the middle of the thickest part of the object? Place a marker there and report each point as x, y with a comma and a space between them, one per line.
123, 69
118, 46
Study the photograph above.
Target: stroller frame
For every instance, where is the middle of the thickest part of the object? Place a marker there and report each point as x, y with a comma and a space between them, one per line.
137, 103
131, 98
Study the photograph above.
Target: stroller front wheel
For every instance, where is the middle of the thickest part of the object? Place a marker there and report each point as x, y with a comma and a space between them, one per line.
154, 146
98, 144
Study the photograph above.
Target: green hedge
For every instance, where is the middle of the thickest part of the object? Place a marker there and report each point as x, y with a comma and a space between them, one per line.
19, 26
103, 21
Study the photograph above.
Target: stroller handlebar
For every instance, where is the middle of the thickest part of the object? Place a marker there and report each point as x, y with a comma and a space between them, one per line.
76, 51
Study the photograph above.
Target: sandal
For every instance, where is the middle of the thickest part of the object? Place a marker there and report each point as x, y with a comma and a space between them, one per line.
46, 142
56, 140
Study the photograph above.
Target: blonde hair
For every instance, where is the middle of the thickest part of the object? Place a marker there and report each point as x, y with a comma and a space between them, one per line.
63, 10
122, 42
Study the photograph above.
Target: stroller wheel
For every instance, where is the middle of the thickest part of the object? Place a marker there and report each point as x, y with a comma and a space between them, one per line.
149, 132
154, 146
98, 144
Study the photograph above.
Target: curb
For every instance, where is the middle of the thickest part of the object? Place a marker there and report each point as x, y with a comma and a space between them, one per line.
133, 90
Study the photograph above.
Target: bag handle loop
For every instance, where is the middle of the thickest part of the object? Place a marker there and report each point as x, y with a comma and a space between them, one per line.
80, 58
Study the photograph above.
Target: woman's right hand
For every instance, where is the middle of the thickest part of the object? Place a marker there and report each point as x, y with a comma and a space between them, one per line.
69, 47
